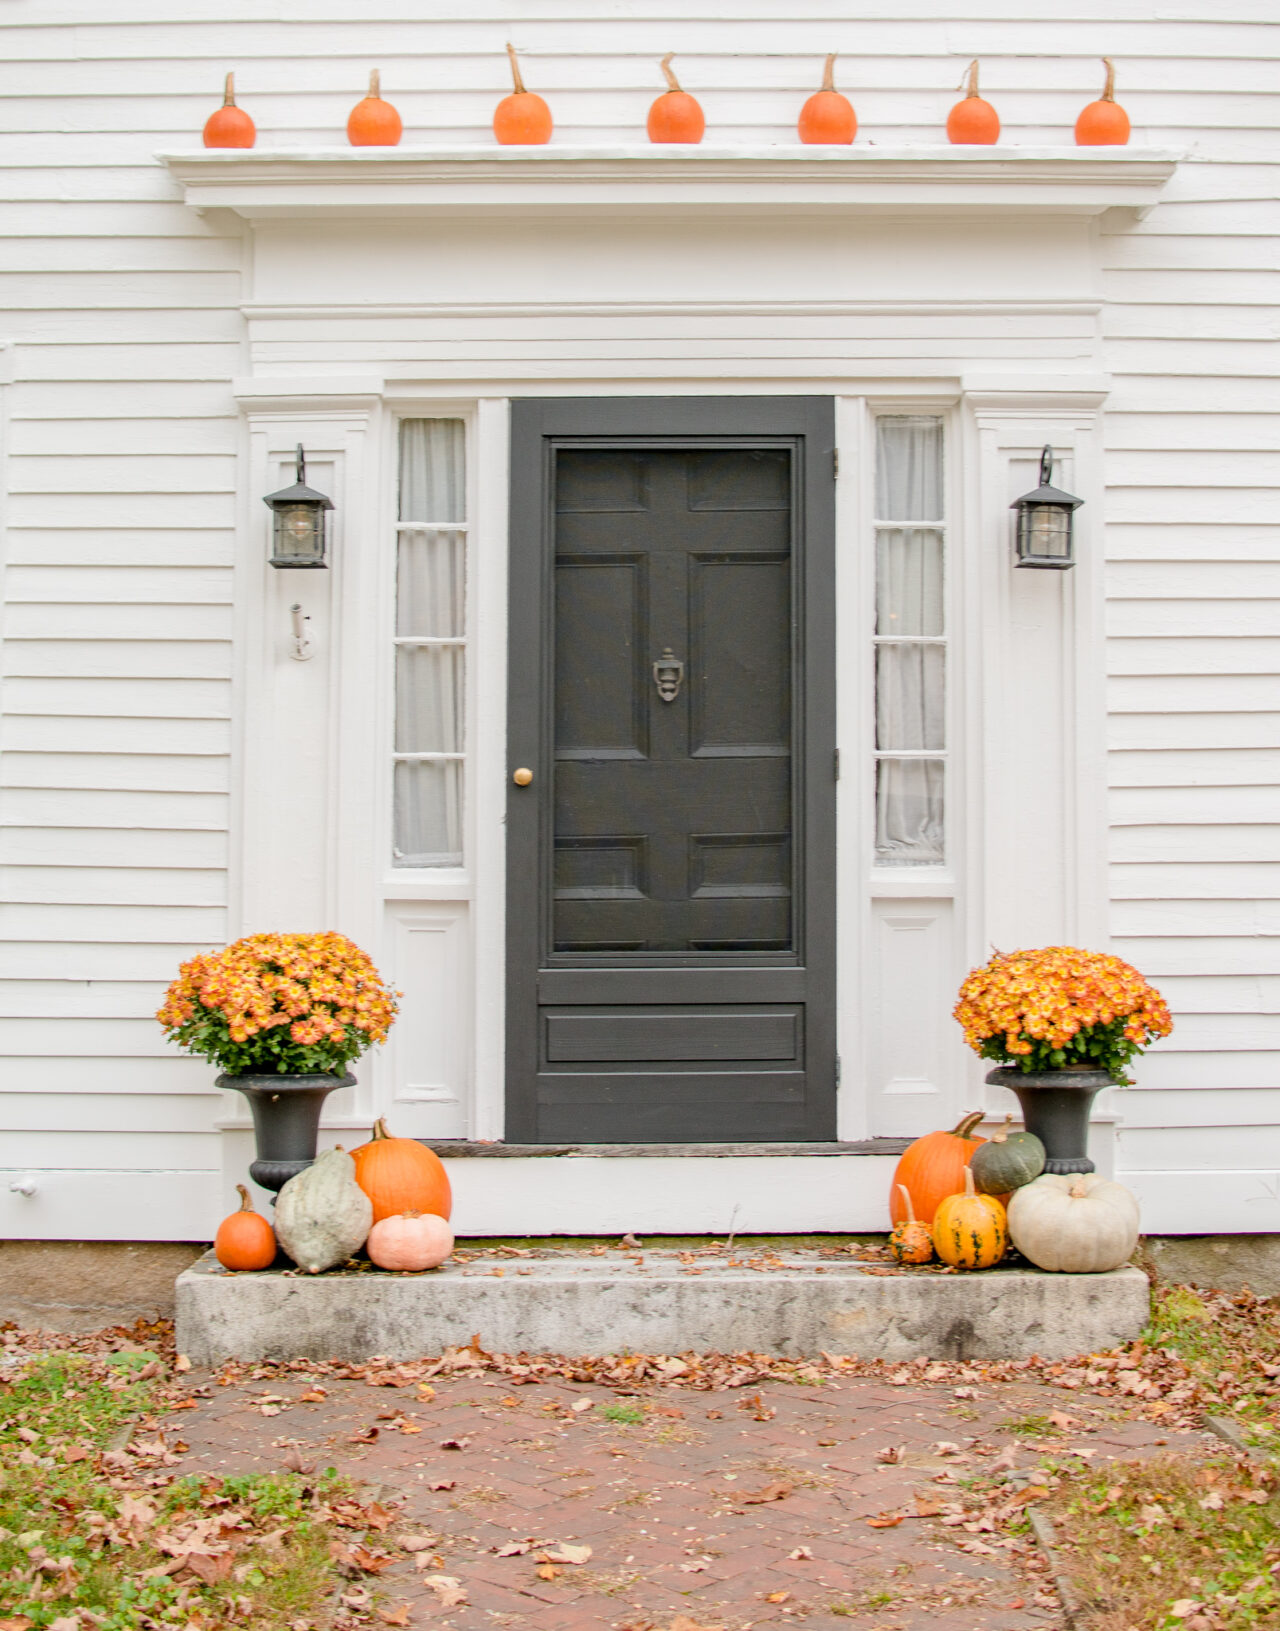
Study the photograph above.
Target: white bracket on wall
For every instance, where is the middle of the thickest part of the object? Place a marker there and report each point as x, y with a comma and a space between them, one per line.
304, 648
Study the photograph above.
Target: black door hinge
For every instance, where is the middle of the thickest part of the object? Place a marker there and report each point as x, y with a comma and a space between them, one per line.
835, 464
835, 765
837, 1070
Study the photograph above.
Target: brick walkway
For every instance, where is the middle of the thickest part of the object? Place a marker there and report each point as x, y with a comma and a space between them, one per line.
703, 1513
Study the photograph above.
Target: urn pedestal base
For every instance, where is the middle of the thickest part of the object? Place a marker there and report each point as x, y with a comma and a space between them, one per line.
1055, 1107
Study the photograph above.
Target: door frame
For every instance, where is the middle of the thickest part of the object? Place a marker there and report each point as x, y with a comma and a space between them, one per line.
535, 423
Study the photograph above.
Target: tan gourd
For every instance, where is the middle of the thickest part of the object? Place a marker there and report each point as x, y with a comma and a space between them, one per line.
1074, 1223
322, 1214
410, 1241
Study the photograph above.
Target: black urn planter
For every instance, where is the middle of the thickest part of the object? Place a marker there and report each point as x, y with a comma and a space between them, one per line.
1055, 1107
286, 1121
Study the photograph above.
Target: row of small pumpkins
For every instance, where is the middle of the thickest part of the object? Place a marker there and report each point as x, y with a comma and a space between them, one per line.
523, 119
390, 1196
967, 1198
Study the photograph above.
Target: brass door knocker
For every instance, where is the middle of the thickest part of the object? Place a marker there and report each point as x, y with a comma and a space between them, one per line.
668, 671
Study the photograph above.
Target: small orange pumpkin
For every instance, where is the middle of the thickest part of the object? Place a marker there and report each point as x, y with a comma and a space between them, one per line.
973, 122
910, 1241
401, 1175
933, 1168
675, 116
971, 1231
1104, 123
828, 117
245, 1240
410, 1241
230, 126
522, 119
373, 122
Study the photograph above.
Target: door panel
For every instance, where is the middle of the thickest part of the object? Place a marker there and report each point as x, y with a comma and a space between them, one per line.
671, 649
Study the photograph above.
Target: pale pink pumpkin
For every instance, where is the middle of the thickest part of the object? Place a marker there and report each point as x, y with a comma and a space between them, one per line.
410, 1241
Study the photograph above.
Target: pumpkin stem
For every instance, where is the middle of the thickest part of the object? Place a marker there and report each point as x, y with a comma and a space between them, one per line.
1077, 1192
246, 1205
515, 70
375, 84
379, 1130
1002, 1133
1109, 89
969, 84
673, 84
964, 1127
829, 73
968, 1183
229, 100
906, 1199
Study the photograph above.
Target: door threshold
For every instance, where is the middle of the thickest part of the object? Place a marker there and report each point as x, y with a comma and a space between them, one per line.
457, 1148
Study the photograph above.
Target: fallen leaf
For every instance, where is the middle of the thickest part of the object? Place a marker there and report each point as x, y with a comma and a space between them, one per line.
294, 1462
315, 1395
696, 1567
890, 1456
927, 1507
210, 1569
1183, 1607
398, 1616
547, 1571
18, 1622
778, 1597
416, 1543
582, 1404
761, 1497
682, 1622
1006, 1460
514, 1548
181, 1363
451, 1592
443, 1483
1062, 1421
366, 1435
630, 1240
886, 1520
802, 1554
565, 1553
454, 1443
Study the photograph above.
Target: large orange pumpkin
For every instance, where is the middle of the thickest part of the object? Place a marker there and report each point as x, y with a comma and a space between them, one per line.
230, 126
828, 117
401, 1175
373, 122
973, 122
245, 1240
675, 116
522, 119
933, 1168
1103, 123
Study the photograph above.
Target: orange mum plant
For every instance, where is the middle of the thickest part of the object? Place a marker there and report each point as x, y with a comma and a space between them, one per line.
286, 1003
1061, 1008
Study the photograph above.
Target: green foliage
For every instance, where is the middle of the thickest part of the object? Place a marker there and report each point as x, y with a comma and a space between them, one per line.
1093, 1047
270, 1052
632, 1414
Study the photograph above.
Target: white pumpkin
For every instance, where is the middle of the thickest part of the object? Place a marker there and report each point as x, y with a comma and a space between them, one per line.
322, 1214
1074, 1223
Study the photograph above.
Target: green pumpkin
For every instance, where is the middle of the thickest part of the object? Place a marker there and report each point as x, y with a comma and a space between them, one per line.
1007, 1161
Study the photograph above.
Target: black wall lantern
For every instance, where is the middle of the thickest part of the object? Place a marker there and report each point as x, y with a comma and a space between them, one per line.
1045, 522
299, 522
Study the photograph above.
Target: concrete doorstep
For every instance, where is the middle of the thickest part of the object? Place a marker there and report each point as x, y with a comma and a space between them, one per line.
793, 1303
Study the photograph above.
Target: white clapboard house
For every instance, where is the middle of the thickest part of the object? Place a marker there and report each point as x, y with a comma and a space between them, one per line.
679, 477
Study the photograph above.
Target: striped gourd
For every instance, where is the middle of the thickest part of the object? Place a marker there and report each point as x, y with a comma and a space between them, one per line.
970, 1231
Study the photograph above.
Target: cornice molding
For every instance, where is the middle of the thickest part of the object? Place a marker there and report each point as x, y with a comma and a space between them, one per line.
337, 182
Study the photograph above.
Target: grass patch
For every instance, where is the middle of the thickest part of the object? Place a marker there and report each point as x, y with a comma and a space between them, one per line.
1173, 1542
84, 1526
1029, 1426
1230, 1344
631, 1414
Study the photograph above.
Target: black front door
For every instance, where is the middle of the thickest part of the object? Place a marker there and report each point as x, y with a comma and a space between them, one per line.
671, 956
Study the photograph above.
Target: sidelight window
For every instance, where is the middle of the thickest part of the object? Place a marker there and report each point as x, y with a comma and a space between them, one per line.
430, 644
910, 642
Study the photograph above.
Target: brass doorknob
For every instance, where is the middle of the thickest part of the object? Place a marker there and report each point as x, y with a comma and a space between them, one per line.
522, 777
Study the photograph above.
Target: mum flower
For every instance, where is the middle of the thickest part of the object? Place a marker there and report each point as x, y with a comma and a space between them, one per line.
1061, 1008
279, 1003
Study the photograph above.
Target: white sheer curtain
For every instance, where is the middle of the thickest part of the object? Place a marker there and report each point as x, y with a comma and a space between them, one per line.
910, 648
430, 681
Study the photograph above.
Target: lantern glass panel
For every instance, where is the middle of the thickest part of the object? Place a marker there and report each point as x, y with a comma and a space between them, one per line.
1044, 533
299, 534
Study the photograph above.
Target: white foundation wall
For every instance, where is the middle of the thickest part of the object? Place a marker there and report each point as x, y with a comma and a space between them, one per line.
127, 317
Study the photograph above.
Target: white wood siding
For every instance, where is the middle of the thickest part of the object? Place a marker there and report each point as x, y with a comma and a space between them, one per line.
122, 310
